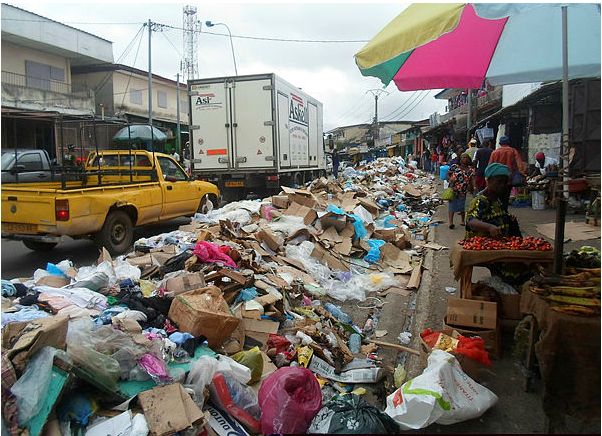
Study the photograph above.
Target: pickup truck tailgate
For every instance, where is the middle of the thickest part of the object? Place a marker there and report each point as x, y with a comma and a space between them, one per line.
23, 211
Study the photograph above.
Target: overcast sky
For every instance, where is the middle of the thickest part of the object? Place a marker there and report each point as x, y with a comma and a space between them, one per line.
324, 70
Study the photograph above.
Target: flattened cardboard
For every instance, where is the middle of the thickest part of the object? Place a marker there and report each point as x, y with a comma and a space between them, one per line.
330, 234
323, 256
189, 282
308, 215
140, 261
169, 409
471, 313
272, 240
410, 190
414, 282
54, 281
104, 256
344, 247
396, 258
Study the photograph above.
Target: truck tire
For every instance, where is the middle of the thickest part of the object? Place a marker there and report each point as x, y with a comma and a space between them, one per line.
117, 233
298, 178
206, 205
39, 246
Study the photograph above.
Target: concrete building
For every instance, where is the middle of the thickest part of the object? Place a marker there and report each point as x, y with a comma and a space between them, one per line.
38, 55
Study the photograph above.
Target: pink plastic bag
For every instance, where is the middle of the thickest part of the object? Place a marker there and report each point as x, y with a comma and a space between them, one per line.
208, 252
289, 399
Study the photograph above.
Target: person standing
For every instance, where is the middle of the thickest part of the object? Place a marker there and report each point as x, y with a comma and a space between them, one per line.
335, 164
460, 178
434, 158
509, 156
175, 155
481, 160
472, 148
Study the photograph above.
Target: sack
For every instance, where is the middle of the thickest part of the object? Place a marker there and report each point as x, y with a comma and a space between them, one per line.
443, 393
350, 414
448, 194
289, 399
517, 179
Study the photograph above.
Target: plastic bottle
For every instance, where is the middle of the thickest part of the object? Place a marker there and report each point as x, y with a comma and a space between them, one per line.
338, 313
369, 326
355, 342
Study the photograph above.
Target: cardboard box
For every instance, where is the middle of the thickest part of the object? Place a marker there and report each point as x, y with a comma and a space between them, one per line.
204, 312
331, 219
24, 339
280, 201
472, 313
260, 330
510, 306
471, 367
189, 282
308, 215
492, 337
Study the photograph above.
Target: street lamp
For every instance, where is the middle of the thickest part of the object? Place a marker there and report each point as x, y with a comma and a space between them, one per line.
210, 24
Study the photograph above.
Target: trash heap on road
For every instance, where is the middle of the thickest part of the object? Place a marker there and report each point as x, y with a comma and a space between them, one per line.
230, 323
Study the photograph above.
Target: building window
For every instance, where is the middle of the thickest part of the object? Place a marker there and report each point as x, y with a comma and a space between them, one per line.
162, 99
40, 75
135, 96
184, 106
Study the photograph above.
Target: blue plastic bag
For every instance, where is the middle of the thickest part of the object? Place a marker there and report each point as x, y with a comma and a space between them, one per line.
387, 221
246, 294
373, 255
55, 270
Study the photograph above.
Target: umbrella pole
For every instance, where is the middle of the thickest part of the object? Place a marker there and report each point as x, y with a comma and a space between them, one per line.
564, 152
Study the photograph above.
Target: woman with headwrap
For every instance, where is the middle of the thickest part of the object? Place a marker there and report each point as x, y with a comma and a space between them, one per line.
460, 178
487, 216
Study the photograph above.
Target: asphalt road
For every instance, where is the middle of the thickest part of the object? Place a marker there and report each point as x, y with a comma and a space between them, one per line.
19, 261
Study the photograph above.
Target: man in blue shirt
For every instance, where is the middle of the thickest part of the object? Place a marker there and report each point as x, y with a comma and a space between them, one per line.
481, 160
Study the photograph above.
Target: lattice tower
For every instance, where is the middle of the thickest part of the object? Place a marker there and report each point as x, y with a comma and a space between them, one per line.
192, 27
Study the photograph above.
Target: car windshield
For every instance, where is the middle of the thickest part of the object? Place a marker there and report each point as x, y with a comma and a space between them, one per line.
7, 160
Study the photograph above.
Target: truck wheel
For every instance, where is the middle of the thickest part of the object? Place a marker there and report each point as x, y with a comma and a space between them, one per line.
117, 233
298, 178
206, 205
39, 246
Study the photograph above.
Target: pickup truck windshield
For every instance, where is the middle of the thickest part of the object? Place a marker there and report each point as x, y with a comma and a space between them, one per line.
170, 168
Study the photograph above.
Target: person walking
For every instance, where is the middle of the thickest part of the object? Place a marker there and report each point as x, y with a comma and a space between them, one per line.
481, 160
460, 178
472, 148
509, 156
335, 164
175, 155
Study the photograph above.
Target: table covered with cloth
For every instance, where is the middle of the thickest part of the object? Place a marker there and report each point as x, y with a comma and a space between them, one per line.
463, 260
568, 352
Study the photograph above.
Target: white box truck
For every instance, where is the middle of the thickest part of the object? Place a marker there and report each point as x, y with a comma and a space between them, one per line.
254, 133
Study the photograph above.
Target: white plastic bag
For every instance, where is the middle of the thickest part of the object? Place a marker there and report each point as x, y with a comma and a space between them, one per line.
441, 394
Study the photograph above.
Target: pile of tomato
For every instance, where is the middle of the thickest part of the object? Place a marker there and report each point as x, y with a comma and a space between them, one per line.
479, 243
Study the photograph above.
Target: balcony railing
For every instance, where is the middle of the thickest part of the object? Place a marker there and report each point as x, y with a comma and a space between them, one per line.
45, 85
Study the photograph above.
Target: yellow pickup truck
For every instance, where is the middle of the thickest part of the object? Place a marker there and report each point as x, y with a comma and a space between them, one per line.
119, 190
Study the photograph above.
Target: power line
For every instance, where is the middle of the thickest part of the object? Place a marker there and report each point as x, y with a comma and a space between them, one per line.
132, 73
400, 107
413, 107
174, 47
323, 41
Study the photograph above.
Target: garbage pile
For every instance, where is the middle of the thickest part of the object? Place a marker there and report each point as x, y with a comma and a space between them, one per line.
230, 323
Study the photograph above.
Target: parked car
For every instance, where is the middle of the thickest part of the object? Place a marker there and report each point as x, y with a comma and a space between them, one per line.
29, 166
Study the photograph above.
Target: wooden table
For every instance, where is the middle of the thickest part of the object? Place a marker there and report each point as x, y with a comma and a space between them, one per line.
464, 260
567, 348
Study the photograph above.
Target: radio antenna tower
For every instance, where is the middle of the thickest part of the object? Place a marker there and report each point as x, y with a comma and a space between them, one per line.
192, 27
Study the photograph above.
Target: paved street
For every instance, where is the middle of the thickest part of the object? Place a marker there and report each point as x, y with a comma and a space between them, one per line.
19, 261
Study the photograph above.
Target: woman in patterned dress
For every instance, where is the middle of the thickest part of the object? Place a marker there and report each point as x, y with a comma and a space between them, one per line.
461, 180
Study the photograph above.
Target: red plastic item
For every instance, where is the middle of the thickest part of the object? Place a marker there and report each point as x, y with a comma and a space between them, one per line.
223, 400
289, 399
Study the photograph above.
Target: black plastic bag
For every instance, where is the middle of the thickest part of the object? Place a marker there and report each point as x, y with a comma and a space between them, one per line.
350, 414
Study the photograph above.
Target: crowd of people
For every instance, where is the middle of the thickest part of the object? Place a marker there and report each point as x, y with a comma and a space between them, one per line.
467, 171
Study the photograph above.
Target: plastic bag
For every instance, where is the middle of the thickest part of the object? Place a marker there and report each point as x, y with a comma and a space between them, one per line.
251, 359
373, 255
238, 400
32, 387
95, 282
442, 394
200, 375
124, 270
81, 341
289, 399
448, 194
350, 414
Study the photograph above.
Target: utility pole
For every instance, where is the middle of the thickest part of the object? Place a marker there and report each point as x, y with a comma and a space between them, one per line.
179, 137
150, 85
376, 93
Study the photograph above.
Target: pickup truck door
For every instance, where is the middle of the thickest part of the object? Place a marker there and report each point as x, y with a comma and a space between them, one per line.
181, 197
